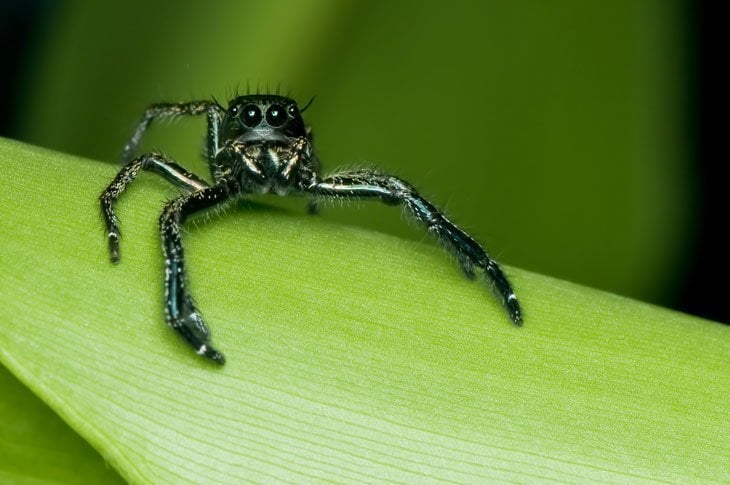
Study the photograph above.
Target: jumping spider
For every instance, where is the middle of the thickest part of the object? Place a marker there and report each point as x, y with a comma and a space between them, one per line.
259, 144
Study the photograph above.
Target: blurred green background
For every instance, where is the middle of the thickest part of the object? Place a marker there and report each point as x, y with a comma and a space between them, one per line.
553, 131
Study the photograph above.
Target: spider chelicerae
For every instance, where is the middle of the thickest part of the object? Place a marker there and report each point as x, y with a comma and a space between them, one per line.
260, 144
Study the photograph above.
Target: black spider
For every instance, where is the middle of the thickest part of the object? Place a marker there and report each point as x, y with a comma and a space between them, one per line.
259, 145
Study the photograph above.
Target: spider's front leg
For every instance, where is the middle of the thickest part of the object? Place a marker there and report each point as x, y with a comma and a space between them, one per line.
180, 310
391, 190
169, 170
174, 110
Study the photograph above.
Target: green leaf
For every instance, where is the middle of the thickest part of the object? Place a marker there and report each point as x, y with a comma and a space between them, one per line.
352, 355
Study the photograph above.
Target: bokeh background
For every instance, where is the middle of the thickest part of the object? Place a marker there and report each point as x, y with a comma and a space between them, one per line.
565, 135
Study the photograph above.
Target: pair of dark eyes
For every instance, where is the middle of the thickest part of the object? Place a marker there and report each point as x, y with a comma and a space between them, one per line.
276, 114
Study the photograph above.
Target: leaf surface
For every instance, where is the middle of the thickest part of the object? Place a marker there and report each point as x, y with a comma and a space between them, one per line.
352, 355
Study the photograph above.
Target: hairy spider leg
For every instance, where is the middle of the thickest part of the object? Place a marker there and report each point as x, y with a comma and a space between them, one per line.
394, 191
169, 170
180, 310
173, 110
191, 327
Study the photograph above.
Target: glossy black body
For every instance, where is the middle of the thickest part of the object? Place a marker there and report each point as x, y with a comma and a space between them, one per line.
260, 144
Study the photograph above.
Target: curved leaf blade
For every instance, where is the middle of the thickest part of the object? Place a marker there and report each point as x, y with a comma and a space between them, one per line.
351, 355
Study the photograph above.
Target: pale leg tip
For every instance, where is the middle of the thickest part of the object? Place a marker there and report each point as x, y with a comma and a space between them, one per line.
212, 354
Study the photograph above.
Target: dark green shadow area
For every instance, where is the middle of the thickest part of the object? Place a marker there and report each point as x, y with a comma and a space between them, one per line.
553, 131
36, 446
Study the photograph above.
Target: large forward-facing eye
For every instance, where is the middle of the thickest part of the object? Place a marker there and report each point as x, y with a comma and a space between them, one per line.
251, 115
276, 115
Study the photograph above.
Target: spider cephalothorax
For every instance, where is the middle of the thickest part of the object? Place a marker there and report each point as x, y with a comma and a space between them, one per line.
259, 144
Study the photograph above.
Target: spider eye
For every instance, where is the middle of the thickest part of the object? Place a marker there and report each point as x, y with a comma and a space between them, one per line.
251, 115
292, 110
276, 115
